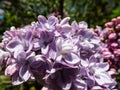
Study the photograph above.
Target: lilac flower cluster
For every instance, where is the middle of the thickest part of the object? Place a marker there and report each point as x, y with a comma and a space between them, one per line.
58, 55
111, 37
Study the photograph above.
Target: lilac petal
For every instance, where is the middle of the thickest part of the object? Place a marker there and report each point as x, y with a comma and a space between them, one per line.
85, 63
14, 45
67, 47
11, 69
45, 88
37, 44
10, 61
36, 64
70, 73
67, 86
103, 67
59, 42
65, 21
62, 78
46, 36
57, 34
3, 55
92, 60
59, 58
40, 26
95, 40
97, 88
16, 80
95, 58
90, 82
8, 34
58, 27
28, 36
66, 28
103, 78
52, 20
59, 65
19, 49
52, 54
38, 61
32, 78
80, 84
21, 57
83, 25
75, 25
32, 54
42, 19
72, 58
24, 72
45, 50
28, 47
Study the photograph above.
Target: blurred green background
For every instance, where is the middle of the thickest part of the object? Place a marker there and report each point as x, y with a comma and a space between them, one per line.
22, 12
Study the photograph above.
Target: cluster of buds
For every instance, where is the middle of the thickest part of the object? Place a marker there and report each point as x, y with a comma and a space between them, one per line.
111, 37
58, 55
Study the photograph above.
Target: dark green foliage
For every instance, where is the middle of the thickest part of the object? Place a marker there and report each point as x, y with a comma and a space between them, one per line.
22, 12
95, 12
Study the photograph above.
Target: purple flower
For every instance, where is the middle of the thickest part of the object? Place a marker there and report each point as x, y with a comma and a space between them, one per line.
98, 71
39, 66
65, 52
20, 68
45, 39
63, 28
58, 55
99, 88
77, 28
60, 77
45, 24
86, 37
79, 84
20, 44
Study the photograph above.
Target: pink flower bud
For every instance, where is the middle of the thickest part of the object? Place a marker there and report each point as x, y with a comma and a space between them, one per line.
118, 41
114, 20
109, 24
114, 45
118, 27
118, 19
117, 52
108, 31
107, 54
112, 36
104, 49
119, 34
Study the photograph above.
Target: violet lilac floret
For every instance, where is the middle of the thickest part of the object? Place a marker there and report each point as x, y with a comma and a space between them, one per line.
59, 55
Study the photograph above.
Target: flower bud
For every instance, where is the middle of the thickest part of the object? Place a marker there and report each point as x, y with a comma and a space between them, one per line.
118, 27
118, 19
117, 52
107, 54
114, 45
109, 24
114, 20
112, 36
